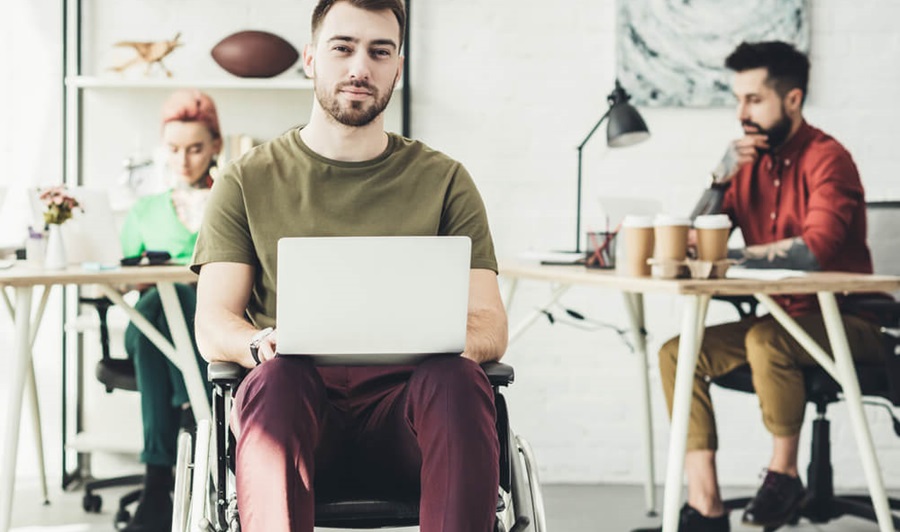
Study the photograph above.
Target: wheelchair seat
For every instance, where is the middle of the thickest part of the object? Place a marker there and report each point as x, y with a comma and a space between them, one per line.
519, 504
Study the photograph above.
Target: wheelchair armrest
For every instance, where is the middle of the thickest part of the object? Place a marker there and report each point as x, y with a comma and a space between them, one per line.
498, 373
223, 373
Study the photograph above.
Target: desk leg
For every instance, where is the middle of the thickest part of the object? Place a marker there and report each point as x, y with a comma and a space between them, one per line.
178, 355
32, 386
535, 314
692, 327
634, 303
184, 350
850, 384
18, 374
33, 395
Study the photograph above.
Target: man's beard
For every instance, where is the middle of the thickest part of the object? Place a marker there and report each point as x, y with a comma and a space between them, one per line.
358, 115
775, 135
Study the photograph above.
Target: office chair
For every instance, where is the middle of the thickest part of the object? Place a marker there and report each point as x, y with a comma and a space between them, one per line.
211, 506
114, 374
876, 381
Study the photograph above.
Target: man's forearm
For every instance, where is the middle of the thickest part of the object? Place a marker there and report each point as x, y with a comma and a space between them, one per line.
790, 253
486, 335
224, 337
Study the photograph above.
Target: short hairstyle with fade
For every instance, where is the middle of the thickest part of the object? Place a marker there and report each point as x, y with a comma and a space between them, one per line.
788, 68
395, 6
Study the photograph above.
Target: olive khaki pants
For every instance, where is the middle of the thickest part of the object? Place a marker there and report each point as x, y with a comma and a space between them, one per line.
776, 360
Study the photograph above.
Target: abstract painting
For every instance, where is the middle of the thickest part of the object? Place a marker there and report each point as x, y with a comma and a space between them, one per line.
672, 52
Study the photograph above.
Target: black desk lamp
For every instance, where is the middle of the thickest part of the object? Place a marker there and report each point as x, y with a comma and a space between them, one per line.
624, 128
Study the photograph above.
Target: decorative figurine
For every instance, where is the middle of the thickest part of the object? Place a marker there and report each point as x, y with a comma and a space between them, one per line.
149, 53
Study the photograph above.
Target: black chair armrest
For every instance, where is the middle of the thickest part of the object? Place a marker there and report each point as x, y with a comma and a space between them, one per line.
498, 373
744, 305
224, 372
884, 311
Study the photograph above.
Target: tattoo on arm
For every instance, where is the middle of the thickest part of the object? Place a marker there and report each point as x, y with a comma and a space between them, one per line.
791, 253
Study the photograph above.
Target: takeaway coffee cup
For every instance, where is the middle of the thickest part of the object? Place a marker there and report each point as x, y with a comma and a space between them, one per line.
712, 236
670, 234
638, 243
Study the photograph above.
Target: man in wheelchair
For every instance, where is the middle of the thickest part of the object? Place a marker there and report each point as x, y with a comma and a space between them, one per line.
303, 430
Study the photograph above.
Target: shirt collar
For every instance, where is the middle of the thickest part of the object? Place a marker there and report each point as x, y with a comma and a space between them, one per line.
792, 148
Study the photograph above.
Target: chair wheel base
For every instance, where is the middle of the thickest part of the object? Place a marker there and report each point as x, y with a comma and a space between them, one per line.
91, 503
123, 517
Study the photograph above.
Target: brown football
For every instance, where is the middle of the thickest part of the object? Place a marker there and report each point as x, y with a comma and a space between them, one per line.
254, 54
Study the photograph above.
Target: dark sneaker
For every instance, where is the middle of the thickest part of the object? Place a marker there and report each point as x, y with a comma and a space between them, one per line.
690, 520
778, 501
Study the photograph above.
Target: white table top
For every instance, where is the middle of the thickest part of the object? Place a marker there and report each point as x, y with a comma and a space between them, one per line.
22, 274
813, 282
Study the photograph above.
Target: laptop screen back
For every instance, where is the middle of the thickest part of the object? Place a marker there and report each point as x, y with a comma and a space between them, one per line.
372, 300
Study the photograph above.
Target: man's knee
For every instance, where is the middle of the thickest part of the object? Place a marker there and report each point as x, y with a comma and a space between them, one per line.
451, 372
455, 379
765, 344
668, 357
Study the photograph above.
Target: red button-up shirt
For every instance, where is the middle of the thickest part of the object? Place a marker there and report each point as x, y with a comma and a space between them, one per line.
810, 188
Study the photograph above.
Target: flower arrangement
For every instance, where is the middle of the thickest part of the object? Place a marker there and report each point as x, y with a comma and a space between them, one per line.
59, 204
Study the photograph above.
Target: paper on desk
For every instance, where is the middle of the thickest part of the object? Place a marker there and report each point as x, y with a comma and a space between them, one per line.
773, 274
560, 257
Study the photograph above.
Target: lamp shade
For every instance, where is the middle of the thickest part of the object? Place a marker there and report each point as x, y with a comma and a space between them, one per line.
625, 126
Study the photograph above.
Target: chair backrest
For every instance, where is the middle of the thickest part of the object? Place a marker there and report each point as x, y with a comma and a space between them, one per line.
883, 236
883, 219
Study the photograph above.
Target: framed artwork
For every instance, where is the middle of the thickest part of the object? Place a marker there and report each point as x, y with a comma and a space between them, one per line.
671, 53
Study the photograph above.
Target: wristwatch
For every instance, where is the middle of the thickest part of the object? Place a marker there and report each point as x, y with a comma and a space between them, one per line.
256, 340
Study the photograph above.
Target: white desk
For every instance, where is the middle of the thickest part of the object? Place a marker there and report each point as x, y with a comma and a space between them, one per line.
696, 300
23, 279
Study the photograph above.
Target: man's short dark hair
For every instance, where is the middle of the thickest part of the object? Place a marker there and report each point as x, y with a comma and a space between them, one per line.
396, 6
788, 67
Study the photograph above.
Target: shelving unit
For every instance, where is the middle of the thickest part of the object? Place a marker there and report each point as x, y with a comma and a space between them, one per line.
94, 82
107, 118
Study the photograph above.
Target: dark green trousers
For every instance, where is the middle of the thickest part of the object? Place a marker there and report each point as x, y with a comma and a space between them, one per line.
160, 383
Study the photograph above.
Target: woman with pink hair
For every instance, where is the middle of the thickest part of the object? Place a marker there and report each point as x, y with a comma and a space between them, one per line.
169, 222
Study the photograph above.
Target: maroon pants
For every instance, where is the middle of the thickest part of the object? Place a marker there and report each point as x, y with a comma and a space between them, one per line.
305, 432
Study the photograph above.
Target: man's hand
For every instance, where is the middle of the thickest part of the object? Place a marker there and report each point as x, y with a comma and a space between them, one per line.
740, 152
268, 347
790, 253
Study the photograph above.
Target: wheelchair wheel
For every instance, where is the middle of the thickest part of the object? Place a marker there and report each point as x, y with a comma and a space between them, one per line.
182, 493
534, 484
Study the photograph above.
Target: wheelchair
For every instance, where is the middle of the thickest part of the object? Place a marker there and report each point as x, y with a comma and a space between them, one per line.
205, 498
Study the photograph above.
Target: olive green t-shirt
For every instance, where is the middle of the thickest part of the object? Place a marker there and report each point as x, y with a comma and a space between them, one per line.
284, 189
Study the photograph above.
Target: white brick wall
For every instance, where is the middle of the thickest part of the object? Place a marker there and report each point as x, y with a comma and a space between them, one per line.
510, 88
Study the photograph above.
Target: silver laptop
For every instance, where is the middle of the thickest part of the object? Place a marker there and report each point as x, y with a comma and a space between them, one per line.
372, 300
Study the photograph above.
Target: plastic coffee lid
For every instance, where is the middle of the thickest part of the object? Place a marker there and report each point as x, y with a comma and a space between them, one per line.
713, 221
634, 220
663, 220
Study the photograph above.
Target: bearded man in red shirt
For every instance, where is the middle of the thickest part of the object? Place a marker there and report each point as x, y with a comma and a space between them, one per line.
796, 196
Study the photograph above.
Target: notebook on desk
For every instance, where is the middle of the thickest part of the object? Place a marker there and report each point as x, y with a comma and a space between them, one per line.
372, 300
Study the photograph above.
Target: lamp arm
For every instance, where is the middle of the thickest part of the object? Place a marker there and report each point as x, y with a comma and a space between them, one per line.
578, 204
594, 129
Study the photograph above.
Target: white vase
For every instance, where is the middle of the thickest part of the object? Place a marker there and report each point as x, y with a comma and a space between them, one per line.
55, 256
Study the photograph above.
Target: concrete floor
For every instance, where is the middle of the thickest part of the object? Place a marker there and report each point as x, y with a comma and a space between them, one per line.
569, 508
